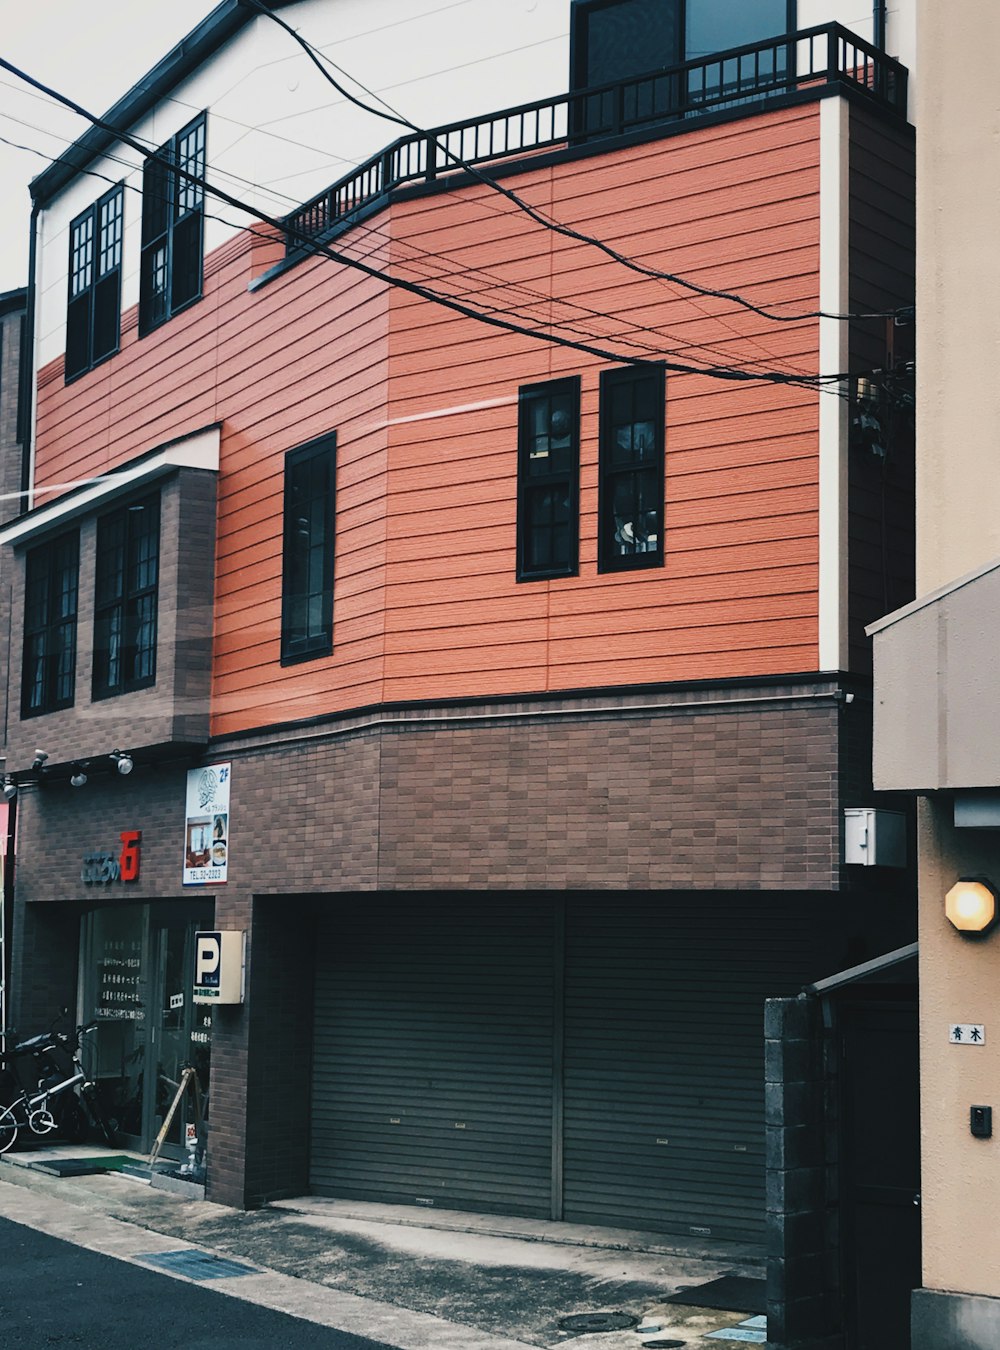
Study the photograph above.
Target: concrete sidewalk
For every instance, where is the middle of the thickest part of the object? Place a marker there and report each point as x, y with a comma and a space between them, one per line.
408, 1277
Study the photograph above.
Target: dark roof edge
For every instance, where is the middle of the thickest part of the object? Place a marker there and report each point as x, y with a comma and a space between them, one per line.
191, 52
11, 301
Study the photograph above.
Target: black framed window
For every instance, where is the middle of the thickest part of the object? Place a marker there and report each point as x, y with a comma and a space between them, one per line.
307, 571
170, 273
125, 598
93, 314
630, 507
48, 670
548, 459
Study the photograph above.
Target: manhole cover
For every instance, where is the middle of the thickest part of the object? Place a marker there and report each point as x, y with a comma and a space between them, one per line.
598, 1321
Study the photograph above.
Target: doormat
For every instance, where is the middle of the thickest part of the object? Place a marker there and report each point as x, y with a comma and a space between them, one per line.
730, 1293
81, 1167
196, 1265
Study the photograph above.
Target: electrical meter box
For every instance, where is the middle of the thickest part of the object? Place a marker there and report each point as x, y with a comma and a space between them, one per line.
874, 838
219, 967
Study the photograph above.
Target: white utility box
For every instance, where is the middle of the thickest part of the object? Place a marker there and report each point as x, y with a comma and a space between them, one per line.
874, 838
219, 967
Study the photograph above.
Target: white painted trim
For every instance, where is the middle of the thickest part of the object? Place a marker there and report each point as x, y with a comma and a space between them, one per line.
834, 297
200, 450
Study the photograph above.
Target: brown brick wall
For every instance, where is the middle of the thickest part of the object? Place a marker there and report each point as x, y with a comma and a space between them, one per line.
176, 707
715, 790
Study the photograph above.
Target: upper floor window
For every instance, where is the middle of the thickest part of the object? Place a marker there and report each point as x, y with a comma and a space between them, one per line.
172, 226
631, 468
93, 316
548, 452
48, 669
613, 40
125, 600
307, 574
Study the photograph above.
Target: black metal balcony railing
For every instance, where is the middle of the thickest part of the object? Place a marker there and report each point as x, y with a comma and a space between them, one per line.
736, 78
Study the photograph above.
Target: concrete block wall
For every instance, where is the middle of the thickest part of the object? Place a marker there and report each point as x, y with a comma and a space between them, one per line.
803, 1307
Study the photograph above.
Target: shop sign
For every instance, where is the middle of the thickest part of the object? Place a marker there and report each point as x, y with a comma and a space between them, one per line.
220, 961
206, 826
101, 868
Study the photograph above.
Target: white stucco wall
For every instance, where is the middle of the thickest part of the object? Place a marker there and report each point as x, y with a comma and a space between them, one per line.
278, 132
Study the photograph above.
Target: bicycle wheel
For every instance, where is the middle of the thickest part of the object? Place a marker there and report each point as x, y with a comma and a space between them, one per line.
8, 1128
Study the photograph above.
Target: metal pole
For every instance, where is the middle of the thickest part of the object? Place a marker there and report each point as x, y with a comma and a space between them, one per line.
879, 24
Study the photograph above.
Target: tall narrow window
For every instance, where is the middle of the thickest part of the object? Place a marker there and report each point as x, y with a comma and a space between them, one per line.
93, 315
50, 600
548, 453
128, 565
631, 468
307, 576
172, 226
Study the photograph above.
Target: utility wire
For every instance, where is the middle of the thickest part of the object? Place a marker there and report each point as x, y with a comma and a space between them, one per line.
531, 298
393, 115
325, 250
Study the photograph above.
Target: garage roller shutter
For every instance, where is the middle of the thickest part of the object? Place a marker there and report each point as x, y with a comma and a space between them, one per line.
664, 1073
433, 1060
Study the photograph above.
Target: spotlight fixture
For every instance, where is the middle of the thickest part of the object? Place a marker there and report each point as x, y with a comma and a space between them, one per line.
39, 760
123, 761
77, 777
9, 788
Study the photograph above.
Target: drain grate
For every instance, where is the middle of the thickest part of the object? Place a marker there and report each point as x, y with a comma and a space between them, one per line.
196, 1265
598, 1321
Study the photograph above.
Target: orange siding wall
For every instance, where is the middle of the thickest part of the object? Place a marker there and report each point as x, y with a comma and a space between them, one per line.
735, 208
424, 403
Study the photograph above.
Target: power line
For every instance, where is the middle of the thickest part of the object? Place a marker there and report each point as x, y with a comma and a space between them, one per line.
393, 115
325, 250
531, 297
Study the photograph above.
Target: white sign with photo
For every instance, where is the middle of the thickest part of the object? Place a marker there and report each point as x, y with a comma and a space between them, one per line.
206, 826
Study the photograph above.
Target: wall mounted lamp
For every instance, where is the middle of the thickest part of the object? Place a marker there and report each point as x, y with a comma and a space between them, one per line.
971, 905
9, 788
78, 777
39, 760
123, 761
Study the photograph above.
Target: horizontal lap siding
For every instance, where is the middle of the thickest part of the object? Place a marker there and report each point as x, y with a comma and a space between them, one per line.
732, 208
305, 356
424, 403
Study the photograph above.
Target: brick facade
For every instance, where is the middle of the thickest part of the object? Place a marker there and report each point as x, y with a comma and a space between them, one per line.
685, 789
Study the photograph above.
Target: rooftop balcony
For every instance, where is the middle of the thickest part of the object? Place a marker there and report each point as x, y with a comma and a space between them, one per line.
812, 63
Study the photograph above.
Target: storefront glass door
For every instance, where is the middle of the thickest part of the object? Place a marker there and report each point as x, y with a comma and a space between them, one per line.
137, 985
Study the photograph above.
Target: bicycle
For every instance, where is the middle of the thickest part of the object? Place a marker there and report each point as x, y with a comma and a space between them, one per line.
31, 1109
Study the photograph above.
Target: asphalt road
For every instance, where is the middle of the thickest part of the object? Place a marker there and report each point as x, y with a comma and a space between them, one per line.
57, 1296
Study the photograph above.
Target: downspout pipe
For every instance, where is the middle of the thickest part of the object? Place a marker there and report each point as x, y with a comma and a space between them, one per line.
879, 11
26, 383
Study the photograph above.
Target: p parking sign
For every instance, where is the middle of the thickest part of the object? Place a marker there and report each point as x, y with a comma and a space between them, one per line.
219, 967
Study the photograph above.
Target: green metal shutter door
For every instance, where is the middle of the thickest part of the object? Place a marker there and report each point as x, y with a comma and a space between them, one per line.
432, 1078
664, 1073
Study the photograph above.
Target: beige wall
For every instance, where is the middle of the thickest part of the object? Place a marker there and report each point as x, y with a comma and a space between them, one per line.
958, 531
958, 289
959, 982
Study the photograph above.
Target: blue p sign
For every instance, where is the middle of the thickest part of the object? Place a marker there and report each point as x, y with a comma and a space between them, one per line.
208, 960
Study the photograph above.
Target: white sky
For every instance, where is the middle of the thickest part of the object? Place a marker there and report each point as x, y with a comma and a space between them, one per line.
92, 50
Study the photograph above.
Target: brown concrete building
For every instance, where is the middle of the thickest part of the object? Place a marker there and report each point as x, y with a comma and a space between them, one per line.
482, 631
